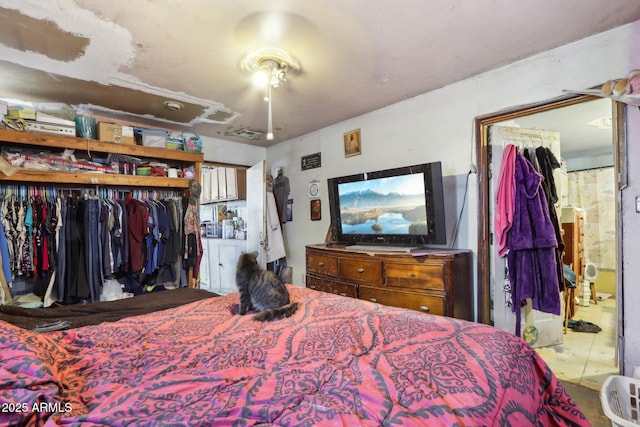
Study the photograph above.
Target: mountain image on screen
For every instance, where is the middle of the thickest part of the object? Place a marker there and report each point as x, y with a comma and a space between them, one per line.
370, 211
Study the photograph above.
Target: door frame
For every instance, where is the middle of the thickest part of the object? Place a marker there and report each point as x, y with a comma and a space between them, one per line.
483, 158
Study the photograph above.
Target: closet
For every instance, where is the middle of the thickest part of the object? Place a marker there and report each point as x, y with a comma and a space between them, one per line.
156, 205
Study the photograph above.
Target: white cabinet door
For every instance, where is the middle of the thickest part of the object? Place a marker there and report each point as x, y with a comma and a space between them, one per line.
213, 184
222, 183
214, 267
205, 192
256, 211
229, 252
205, 267
232, 183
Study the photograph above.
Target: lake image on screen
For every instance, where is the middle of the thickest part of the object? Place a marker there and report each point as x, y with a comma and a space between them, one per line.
394, 205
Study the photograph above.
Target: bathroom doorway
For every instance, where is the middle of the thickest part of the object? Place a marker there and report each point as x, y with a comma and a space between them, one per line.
588, 156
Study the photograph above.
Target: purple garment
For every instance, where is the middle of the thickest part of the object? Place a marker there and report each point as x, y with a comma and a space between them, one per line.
532, 242
532, 227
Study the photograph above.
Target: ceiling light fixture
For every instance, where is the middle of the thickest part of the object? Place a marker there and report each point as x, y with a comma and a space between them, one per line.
604, 122
270, 68
173, 105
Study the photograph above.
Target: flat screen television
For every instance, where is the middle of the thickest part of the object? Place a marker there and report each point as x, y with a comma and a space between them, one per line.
394, 207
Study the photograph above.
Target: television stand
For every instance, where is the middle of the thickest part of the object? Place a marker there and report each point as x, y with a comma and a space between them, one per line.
438, 281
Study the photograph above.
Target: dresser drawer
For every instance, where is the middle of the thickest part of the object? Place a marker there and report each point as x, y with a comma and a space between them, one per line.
425, 276
328, 286
360, 270
425, 303
322, 264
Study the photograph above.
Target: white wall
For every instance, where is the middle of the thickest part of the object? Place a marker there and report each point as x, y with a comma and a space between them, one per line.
438, 126
631, 247
221, 151
631, 229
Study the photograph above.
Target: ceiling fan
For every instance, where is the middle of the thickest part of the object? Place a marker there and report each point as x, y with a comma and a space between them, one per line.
270, 67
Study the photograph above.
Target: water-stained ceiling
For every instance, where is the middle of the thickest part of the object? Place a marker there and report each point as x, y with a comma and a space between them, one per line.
125, 59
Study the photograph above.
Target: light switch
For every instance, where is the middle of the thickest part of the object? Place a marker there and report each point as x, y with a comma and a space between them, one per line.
638, 204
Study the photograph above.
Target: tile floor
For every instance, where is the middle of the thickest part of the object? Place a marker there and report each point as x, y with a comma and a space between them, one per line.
586, 358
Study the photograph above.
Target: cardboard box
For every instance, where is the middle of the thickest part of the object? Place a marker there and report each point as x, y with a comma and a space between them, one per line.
110, 132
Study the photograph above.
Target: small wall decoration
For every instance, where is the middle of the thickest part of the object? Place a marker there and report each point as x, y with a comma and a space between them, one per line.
314, 189
311, 161
289, 209
352, 143
316, 210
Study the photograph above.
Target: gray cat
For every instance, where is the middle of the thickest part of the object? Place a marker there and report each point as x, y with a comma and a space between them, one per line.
262, 290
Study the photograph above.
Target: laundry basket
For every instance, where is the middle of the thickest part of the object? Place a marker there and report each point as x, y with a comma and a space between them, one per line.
621, 401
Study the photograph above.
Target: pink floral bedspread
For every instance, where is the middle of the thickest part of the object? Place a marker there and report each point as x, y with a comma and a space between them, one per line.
336, 361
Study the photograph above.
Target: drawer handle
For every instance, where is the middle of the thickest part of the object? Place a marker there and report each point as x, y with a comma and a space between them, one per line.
373, 300
361, 270
321, 264
312, 286
412, 275
424, 308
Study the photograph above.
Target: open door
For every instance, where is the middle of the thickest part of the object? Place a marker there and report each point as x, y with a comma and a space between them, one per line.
539, 329
256, 211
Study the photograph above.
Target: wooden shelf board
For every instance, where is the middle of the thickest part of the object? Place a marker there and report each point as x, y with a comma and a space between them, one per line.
56, 141
92, 178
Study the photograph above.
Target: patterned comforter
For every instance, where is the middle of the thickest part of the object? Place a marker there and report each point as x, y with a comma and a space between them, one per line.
336, 361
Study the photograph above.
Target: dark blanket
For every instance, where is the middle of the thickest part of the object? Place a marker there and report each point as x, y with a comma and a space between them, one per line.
108, 311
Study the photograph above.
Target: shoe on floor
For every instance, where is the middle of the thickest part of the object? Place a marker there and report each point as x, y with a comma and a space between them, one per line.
583, 326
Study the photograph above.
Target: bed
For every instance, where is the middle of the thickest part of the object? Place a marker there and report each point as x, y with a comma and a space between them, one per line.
336, 361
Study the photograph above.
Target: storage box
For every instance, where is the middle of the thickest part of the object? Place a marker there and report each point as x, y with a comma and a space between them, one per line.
620, 400
154, 138
175, 142
20, 112
111, 132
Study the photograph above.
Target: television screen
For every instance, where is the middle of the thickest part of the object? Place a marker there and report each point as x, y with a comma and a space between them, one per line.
393, 205
401, 206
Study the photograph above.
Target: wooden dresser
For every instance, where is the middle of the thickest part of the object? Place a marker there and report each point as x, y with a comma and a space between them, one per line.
573, 237
437, 282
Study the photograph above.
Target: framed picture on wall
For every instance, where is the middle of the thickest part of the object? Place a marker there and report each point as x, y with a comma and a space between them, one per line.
316, 210
352, 143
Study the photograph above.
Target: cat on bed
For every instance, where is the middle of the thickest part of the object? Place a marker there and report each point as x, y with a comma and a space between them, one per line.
262, 290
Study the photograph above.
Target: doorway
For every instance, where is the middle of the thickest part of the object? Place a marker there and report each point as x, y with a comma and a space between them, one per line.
562, 357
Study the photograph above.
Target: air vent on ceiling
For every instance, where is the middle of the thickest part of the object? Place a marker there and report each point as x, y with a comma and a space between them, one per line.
247, 133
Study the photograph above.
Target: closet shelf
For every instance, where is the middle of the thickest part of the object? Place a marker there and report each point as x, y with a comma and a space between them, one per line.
36, 139
75, 143
93, 178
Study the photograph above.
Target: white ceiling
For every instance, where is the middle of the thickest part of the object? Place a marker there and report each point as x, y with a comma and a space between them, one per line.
585, 129
122, 59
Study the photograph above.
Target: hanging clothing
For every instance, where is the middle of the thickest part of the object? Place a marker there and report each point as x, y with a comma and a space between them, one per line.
548, 162
192, 241
77, 285
275, 241
532, 244
138, 214
4, 253
64, 248
505, 198
281, 191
